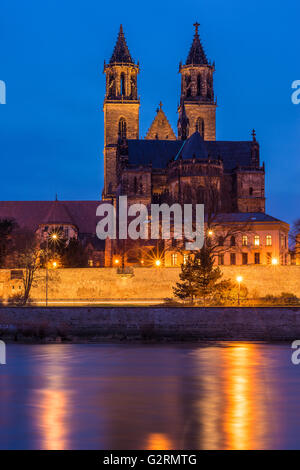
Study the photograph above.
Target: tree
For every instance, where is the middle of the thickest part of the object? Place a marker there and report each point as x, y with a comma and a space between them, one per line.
187, 288
27, 254
200, 278
295, 238
6, 228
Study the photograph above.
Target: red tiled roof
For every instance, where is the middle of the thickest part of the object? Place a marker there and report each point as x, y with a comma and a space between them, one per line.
31, 214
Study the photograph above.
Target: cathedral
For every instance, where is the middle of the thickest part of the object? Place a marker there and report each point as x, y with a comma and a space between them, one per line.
165, 167
188, 166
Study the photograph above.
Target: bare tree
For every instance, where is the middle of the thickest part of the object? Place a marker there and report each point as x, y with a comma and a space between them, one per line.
295, 238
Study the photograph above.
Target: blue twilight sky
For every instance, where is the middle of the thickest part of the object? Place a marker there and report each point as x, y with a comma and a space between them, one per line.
51, 58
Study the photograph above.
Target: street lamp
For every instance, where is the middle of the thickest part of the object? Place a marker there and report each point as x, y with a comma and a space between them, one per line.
210, 233
274, 261
239, 280
157, 262
54, 237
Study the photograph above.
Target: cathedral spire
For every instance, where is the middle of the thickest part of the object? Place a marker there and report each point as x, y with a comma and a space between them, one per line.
121, 52
183, 123
196, 55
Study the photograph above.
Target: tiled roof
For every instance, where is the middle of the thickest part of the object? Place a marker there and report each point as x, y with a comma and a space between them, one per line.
245, 217
58, 212
31, 214
155, 152
194, 147
233, 153
160, 152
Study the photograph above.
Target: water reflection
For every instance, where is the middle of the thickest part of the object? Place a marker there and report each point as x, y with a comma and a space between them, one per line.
221, 396
52, 402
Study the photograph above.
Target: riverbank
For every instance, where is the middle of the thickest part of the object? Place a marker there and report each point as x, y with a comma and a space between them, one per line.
155, 324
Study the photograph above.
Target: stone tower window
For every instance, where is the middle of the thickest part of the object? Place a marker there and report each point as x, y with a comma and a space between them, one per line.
122, 84
251, 191
188, 86
200, 126
232, 241
122, 128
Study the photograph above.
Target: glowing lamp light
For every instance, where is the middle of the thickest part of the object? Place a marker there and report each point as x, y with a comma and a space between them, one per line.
54, 236
117, 261
157, 262
210, 233
274, 261
54, 264
239, 279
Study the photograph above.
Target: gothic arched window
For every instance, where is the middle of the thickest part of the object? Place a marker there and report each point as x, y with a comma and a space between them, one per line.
122, 128
200, 126
188, 85
122, 84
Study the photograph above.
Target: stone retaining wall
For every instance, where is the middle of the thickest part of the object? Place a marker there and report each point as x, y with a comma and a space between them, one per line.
151, 323
147, 283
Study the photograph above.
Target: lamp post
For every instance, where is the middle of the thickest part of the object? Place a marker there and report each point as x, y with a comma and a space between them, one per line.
239, 280
53, 237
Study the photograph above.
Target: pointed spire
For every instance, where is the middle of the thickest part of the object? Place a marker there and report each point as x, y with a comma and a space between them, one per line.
121, 52
183, 123
196, 55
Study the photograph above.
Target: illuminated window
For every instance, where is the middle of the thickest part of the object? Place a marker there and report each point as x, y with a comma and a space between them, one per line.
256, 240
245, 240
174, 259
269, 240
185, 258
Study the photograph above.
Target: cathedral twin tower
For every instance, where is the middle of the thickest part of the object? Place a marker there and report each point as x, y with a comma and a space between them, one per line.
121, 105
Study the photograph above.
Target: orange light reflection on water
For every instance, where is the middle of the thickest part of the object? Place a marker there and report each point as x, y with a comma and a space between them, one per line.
245, 419
157, 441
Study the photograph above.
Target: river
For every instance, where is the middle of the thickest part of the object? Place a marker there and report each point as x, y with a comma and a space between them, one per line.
233, 395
